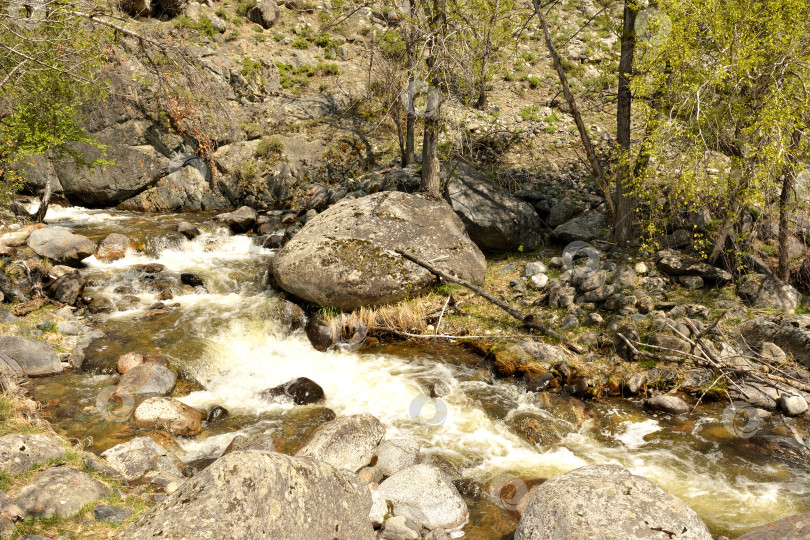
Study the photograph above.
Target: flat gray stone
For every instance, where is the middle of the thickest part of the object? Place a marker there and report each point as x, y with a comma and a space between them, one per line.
135, 458
60, 491
20, 452
20, 355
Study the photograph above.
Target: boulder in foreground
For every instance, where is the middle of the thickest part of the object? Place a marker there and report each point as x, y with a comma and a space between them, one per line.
345, 256
254, 495
607, 501
60, 245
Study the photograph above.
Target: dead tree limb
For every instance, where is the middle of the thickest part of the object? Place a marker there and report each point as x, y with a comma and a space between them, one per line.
527, 320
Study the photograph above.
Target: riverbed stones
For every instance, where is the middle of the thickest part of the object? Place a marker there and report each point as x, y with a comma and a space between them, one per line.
760, 290
347, 442
425, 493
606, 501
240, 220
20, 452
792, 405
344, 257
301, 391
132, 359
790, 528
188, 230
61, 492
23, 356
114, 246
66, 289
149, 378
134, 458
253, 495
494, 219
60, 245
667, 404
170, 414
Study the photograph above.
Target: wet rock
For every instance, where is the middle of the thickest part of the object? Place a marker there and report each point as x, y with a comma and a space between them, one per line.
667, 404
792, 405
61, 492
20, 452
790, 528
149, 378
494, 219
216, 414
61, 245
584, 228
537, 429
185, 189
134, 458
132, 359
539, 383
170, 414
676, 264
425, 493
66, 289
290, 317
400, 528
114, 246
301, 391
319, 332
347, 442
22, 356
298, 498
791, 334
344, 257
606, 501
188, 230
257, 441
240, 220
111, 514
396, 454
100, 305
192, 280
760, 290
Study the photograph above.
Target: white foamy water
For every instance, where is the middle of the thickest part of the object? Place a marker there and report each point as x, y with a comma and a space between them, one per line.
243, 354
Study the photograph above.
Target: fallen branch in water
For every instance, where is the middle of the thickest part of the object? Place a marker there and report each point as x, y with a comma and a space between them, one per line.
527, 320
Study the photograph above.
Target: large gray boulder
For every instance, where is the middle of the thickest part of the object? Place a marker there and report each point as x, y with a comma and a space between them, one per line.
20, 452
791, 334
347, 442
254, 495
425, 493
584, 228
495, 220
763, 291
186, 189
61, 245
345, 258
60, 491
265, 13
135, 168
22, 356
607, 501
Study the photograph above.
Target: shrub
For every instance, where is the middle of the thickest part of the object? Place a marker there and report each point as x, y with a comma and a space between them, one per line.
243, 6
270, 149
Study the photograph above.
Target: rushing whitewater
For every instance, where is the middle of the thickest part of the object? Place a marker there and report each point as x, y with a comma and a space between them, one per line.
223, 337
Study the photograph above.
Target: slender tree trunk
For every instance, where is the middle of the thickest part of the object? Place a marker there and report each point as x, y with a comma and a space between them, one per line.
408, 157
788, 180
431, 178
596, 167
623, 227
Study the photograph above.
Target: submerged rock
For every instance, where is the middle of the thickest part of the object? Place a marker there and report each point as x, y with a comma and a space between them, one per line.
149, 378
669, 404
114, 246
345, 256
607, 501
789, 528
255, 495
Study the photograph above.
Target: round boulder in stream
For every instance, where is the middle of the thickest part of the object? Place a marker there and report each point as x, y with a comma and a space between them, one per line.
253, 495
149, 378
345, 257
347, 442
301, 391
61, 245
169, 414
607, 501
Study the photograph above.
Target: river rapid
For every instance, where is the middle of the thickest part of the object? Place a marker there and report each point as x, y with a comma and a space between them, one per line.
227, 346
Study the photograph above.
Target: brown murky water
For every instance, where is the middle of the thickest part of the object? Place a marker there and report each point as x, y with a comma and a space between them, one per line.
226, 346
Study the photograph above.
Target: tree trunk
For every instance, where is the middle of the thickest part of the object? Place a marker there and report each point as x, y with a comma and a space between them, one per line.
623, 227
431, 179
596, 167
39, 215
788, 179
410, 127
